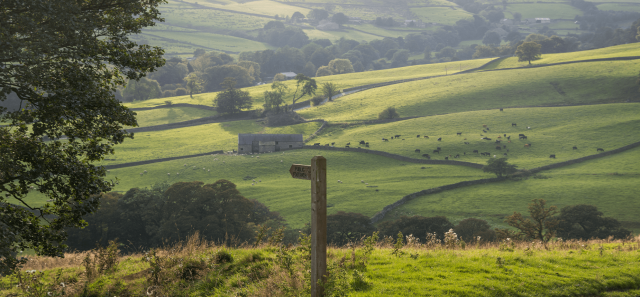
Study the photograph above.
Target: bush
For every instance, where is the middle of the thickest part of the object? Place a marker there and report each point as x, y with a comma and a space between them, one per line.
279, 77
418, 226
317, 100
283, 119
469, 230
169, 93
181, 92
389, 113
222, 256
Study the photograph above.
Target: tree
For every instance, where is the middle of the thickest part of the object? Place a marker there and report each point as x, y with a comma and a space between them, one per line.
517, 16
341, 66
329, 90
170, 73
586, 222
427, 54
232, 100
528, 51
541, 226
309, 69
389, 113
485, 51
348, 227
318, 14
469, 230
297, 16
63, 60
194, 83
217, 74
400, 58
491, 38
321, 57
142, 89
340, 19
447, 52
306, 86
499, 167
323, 71
495, 16
275, 98
273, 25
279, 77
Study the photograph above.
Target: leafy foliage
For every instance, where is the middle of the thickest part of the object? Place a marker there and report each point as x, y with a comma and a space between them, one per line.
389, 113
586, 222
528, 51
499, 167
348, 227
418, 226
64, 60
232, 100
541, 226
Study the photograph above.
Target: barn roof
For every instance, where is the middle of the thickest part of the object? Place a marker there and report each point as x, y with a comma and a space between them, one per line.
244, 139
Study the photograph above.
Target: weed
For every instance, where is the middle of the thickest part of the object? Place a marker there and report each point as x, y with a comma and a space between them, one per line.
397, 248
31, 283
500, 261
359, 281
222, 256
260, 234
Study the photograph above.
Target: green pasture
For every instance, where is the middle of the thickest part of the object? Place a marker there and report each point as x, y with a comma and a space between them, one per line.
370, 28
609, 183
162, 116
346, 33
343, 81
441, 15
624, 50
194, 140
500, 272
210, 19
581, 83
263, 7
569, 25
619, 6
544, 10
210, 40
291, 197
553, 130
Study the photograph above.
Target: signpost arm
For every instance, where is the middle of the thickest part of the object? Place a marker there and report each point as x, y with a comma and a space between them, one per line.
318, 224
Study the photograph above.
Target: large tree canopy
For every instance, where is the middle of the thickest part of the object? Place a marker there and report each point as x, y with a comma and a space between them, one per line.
63, 59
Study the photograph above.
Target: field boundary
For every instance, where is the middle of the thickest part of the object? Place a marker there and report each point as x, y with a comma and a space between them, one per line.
174, 105
568, 62
138, 163
380, 215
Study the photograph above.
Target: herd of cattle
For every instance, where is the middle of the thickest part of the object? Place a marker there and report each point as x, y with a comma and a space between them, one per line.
498, 144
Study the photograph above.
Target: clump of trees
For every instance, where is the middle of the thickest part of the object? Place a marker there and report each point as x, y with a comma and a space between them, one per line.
389, 113
232, 100
146, 218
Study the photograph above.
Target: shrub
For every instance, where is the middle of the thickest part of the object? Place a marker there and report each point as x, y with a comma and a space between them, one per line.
168, 93
279, 77
316, 100
389, 113
181, 92
469, 230
222, 256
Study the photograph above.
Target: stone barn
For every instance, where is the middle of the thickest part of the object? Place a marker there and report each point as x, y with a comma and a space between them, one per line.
261, 143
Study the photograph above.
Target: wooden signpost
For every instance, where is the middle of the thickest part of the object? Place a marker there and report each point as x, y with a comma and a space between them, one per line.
317, 174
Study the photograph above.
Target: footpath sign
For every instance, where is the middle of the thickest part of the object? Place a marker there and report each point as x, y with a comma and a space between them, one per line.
317, 174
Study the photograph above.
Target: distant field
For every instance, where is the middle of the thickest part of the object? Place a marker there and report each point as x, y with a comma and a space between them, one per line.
609, 183
210, 40
441, 15
607, 126
393, 179
595, 82
193, 140
263, 7
625, 50
545, 10
342, 81
170, 115
212, 19
619, 6
346, 33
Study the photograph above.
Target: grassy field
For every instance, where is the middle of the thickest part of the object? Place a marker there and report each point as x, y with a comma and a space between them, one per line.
582, 83
625, 50
441, 15
618, 6
170, 115
210, 40
609, 183
545, 10
593, 268
598, 126
275, 188
346, 33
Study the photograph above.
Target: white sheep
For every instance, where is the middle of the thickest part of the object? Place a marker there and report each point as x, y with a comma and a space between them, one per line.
178, 173
259, 180
254, 180
367, 184
141, 174
168, 173
362, 181
280, 161
108, 170
208, 170
252, 184
145, 171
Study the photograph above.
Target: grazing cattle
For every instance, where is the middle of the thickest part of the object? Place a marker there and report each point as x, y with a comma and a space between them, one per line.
513, 125
484, 131
487, 138
366, 144
524, 137
520, 134
487, 153
426, 155
475, 151
348, 143
427, 137
361, 142
446, 158
504, 146
575, 147
439, 138
457, 156
527, 145
398, 136
488, 129
505, 135
552, 156
417, 150
600, 150
500, 109
459, 133
436, 151
466, 142
346, 146
504, 154
498, 147
333, 143
418, 136
385, 139
316, 144
508, 137
497, 140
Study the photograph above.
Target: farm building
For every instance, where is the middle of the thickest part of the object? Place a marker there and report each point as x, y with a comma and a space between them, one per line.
289, 75
539, 20
261, 143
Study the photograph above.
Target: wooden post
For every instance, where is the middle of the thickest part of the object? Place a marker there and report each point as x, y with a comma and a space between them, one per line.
318, 224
